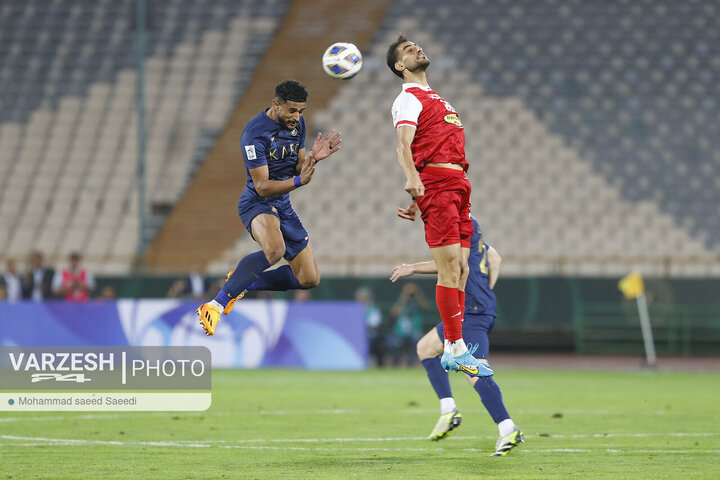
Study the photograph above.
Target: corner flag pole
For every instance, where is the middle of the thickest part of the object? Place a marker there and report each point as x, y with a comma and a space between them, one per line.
646, 329
632, 286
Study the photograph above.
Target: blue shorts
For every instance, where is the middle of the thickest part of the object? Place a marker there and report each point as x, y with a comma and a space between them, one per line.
293, 232
475, 331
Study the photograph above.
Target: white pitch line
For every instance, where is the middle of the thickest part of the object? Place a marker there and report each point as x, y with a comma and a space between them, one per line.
43, 442
413, 411
243, 443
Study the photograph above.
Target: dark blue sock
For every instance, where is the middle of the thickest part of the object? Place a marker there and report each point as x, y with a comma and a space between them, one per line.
277, 280
246, 271
492, 398
438, 377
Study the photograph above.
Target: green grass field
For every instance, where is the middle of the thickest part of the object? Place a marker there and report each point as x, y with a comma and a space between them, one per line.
299, 424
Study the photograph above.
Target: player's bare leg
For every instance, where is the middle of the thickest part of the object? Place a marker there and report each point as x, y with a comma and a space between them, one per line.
266, 232
305, 267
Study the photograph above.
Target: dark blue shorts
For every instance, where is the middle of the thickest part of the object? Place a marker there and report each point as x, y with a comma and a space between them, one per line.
293, 232
475, 331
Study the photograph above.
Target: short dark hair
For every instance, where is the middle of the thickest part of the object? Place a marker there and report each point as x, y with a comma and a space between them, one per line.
292, 91
392, 55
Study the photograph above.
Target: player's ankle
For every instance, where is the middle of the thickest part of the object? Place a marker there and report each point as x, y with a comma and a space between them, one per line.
458, 347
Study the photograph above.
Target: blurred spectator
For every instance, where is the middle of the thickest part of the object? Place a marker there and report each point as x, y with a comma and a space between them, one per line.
197, 285
373, 323
38, 281
194, 286
302, 296
3, 292
74, 283
107, 293
177, 289
408, 313
11, 281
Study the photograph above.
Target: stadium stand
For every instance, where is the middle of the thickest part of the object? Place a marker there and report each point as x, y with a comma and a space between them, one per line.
68, 123
592, 129
591, 132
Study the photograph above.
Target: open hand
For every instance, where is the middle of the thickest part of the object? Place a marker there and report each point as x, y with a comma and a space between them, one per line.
400, 271
324, 147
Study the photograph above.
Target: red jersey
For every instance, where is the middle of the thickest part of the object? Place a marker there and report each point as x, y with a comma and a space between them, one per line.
440, 137
71, 278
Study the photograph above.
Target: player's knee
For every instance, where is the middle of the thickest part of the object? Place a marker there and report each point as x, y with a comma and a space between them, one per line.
423, 353
309, 279
424, 350
311, 282
274, 253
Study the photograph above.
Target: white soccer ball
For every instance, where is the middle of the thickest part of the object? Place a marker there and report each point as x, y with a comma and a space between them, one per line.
342, 60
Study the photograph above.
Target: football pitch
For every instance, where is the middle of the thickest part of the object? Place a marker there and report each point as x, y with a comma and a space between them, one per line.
298, 424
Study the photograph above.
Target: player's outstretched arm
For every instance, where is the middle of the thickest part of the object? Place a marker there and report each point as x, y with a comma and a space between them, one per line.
413, 184
494, 261
324, 147
406, 270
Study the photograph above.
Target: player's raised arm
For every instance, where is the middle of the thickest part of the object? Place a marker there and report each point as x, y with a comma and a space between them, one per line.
267, 188
494, 261
413, 184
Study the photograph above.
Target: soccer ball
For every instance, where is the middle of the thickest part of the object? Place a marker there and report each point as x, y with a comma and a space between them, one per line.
342, 60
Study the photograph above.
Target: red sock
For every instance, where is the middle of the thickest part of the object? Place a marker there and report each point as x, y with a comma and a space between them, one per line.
450, 313
461, 301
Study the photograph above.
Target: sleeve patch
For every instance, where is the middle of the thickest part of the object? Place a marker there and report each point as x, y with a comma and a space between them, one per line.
250, 152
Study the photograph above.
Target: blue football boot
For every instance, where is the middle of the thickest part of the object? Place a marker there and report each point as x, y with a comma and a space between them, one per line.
447, 362
472, 366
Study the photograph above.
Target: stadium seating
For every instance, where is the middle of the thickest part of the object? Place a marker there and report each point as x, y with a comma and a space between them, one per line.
591, 129
68, 122
591, 132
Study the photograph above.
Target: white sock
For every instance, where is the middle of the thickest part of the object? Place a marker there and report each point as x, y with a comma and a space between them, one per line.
447, 405
216, 304
506, 427
447, 346
458, 347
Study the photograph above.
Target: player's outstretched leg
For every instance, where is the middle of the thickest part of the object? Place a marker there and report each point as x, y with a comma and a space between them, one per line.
491, 396
428, 351
231, 303
238, 280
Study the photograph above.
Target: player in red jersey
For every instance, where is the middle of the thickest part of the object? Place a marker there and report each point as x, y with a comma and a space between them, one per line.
431, 152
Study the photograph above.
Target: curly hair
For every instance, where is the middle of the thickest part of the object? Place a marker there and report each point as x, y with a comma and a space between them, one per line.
292, 91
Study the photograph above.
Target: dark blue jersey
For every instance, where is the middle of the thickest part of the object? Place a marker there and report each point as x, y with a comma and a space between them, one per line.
265, 142
479, 298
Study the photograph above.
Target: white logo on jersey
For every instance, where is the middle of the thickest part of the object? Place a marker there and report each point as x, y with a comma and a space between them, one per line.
250, 152
448, 107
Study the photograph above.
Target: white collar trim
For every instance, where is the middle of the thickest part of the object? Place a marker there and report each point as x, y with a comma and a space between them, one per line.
415, 85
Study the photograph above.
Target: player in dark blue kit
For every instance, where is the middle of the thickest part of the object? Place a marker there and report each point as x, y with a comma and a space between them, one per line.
273, 146
480, 312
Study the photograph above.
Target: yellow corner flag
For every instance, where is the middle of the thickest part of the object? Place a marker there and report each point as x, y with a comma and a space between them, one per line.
632, 285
